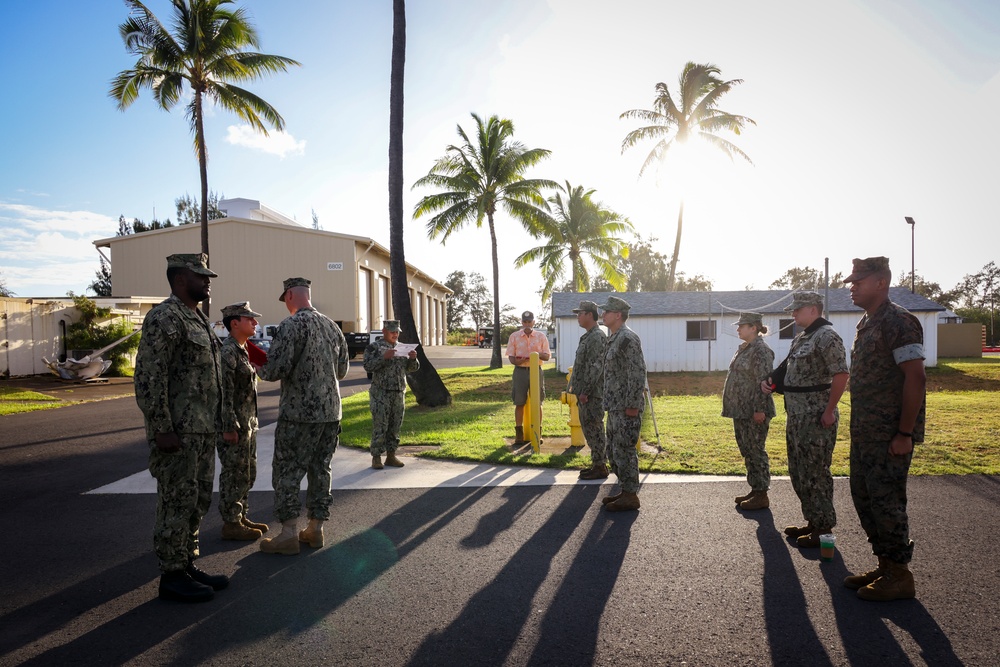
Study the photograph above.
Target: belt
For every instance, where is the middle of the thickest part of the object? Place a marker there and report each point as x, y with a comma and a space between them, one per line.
806, 390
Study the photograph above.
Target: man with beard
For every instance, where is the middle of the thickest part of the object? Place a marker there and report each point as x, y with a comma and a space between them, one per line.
178, 386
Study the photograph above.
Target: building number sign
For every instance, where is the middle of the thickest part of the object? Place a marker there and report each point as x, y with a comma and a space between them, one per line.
334, 266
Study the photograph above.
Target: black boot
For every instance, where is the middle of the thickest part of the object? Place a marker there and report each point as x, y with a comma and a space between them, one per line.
216, 581
179, 586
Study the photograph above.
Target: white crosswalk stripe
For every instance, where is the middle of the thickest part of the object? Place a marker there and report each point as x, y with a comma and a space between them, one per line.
352, 470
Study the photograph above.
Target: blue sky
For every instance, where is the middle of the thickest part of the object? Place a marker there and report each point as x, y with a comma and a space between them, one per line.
867, 111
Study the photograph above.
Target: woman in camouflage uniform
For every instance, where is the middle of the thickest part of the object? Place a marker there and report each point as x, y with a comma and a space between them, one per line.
750, 409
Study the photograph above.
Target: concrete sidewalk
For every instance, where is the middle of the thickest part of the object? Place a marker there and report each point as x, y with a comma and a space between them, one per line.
352, 471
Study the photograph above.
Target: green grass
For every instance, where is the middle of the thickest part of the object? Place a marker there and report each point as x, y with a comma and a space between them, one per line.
963, 423
13, 401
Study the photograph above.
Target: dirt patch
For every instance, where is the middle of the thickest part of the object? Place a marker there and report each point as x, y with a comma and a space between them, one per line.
686, 384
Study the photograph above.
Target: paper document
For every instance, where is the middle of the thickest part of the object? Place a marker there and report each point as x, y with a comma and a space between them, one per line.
404, 349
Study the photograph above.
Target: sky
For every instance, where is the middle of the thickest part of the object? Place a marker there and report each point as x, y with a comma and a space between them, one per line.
866, 111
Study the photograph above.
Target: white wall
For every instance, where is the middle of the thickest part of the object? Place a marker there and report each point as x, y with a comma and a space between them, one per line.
666, 348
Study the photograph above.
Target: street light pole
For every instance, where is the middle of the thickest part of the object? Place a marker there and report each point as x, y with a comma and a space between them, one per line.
913, 255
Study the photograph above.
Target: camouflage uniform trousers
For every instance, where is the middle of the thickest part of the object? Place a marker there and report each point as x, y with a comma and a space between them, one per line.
239, 472
878, 488
387, 417
184, 482
750, 437
303, 449
592, 423
810, 453
622, 434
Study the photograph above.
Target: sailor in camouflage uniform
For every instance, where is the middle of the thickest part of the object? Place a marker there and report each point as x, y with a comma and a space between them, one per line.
888, 403
624, 383
751, 409
586, 382
815, 378
387, 394
178, 386
238, 444
309, 355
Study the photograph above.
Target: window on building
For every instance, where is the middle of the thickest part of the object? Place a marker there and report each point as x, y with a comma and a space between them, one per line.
701, 330
789, 329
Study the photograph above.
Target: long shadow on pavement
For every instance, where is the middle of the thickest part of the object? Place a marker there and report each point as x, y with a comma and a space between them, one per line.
255, 606
584, 593
867, 638
790, 633
504, 605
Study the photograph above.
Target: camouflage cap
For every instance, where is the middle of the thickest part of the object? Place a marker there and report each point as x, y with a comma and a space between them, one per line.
750, 318
805, 298
241, 309
197, 262
616, 304
865, 267
587, 307
527, 316
293, 282
390, 325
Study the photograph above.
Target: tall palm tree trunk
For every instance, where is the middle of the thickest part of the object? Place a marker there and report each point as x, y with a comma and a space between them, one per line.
199, 120
428, 389
677, 250
496, 361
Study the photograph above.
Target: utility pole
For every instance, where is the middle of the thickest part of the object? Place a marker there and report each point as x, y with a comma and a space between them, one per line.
913, 255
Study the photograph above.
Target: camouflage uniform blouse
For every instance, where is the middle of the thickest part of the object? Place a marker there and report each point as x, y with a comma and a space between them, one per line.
624, 371
309, 355
816, 355
388, 374
884, 340
588, 367
178, 379
239, 389
742, 396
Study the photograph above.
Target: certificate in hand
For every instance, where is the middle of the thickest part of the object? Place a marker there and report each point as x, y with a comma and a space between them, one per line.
404, 349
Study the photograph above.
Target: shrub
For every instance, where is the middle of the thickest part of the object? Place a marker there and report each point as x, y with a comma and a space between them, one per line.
98, 328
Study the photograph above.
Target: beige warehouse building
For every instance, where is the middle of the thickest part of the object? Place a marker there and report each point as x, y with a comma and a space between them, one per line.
254, 249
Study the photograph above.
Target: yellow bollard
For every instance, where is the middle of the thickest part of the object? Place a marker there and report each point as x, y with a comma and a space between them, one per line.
576, 438
533, 409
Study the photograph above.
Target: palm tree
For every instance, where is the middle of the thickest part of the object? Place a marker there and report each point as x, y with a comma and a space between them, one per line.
695, 115
205, 50
580, 228
478, 177
428, 389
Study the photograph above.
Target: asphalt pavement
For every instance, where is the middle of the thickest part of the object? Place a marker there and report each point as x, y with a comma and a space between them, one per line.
454, 564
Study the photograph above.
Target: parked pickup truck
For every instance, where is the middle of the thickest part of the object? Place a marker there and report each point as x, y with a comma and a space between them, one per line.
357, 341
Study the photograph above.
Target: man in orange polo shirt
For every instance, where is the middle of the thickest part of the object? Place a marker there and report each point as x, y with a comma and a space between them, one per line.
520, 345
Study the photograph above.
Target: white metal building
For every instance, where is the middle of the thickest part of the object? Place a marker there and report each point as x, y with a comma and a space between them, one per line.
692, 331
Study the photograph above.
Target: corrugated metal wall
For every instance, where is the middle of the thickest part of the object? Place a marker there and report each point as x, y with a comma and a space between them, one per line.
666, 348
253, 258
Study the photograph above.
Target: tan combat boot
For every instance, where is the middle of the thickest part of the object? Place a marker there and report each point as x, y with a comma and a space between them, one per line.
286, 543
312, 534
856, 581
628, 502
896, 583
757, 501
607, 500
262, 527
796, 531
232, 530
391, 460
599, 471
740, 499
377, 462
811, 541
